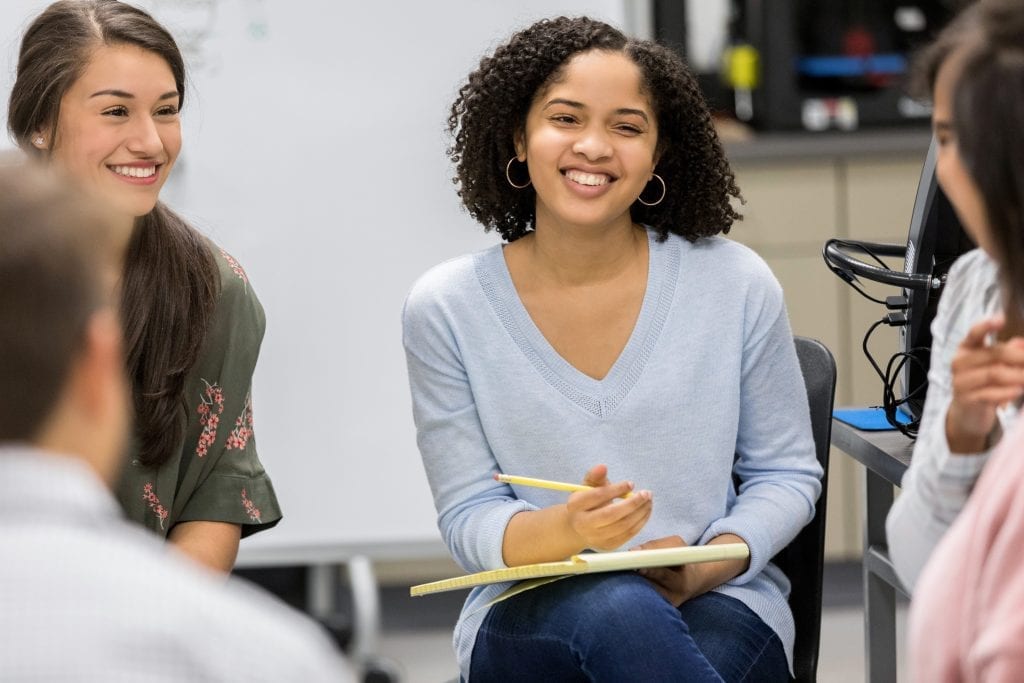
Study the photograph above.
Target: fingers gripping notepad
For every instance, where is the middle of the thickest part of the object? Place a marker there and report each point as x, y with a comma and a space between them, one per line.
586, 563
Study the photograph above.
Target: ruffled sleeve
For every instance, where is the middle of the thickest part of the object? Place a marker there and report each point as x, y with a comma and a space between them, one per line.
221, 477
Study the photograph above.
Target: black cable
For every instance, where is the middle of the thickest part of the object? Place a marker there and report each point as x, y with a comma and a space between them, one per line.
867, 353
850, 279
834, 252
849, 269
889, 400
864, 248
891, 376
865, 294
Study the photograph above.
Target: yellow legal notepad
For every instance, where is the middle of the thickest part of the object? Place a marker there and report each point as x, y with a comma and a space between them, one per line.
585, 563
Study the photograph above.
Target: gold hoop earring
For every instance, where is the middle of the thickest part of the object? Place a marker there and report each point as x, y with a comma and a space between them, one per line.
664, 191
508, 176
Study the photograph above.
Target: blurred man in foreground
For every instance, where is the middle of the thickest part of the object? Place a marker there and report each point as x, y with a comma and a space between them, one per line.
84, 594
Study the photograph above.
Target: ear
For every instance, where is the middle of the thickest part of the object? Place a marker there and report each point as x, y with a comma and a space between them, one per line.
101, 379
39, 140
519, 142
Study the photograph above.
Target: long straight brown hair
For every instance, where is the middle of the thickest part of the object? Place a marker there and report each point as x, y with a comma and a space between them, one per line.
988, 116
988, 119
170, 280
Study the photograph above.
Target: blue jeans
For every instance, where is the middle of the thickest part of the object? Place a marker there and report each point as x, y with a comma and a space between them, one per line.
616, 627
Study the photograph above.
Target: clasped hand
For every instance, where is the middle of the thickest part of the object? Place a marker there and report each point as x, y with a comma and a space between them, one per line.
675, 584
679, 584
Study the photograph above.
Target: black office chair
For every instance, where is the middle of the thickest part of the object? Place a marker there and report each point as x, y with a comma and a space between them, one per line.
804, 558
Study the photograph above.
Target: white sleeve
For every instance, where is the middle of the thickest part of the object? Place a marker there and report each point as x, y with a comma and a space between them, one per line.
937, 483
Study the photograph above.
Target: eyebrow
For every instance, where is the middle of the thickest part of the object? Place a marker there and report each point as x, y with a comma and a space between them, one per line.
113, 92
579, 105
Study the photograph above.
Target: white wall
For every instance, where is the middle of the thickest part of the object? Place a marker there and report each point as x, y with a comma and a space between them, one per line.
314, 152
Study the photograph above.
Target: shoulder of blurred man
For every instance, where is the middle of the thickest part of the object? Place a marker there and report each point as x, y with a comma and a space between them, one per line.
85, 593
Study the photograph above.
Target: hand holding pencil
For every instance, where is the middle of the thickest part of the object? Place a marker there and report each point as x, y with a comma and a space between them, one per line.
594, 514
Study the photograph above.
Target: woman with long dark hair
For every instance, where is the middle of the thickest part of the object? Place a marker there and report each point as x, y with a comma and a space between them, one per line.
976, 374
98, 92
966, 616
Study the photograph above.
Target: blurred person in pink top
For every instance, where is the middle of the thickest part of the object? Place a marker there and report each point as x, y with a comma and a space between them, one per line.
967, 617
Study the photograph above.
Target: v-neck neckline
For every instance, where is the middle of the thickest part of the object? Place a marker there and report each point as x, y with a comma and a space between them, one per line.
599, 397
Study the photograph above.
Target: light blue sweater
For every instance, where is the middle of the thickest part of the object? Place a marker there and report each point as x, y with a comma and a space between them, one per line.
708, 377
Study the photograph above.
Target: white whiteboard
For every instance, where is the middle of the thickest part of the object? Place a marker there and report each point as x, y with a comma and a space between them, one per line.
314, 151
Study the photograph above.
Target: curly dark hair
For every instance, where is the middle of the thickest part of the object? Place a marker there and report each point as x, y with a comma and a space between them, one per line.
492, 106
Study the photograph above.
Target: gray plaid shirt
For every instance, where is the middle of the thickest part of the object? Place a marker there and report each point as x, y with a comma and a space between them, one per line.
85, 595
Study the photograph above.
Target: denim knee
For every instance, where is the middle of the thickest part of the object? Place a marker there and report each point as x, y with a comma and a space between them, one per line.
622, 609
604, 627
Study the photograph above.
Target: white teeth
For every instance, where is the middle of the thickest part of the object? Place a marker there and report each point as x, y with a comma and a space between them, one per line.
587, 178
134, 171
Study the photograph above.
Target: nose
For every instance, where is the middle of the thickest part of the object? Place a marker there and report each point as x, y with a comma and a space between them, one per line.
144, 138
593, 143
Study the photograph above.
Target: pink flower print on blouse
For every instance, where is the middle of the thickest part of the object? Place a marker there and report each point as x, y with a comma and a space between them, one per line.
235, 266
250, 508
211, 405
240, 435
151, 499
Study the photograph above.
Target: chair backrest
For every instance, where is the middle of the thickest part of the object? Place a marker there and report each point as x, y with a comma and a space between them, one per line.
804, 558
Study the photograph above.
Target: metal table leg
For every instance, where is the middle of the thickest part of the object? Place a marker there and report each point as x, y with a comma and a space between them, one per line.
879, 593
321, 596
365, 607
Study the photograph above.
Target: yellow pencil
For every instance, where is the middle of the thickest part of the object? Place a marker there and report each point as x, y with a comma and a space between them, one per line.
545, 483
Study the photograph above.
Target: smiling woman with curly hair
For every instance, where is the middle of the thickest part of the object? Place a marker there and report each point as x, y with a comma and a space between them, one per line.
613, 331
491, 111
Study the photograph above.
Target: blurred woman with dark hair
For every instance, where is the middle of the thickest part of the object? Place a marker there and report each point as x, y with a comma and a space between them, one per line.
976, 375
967, 617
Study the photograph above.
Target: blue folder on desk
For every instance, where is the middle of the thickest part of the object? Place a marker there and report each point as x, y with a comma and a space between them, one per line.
868, 419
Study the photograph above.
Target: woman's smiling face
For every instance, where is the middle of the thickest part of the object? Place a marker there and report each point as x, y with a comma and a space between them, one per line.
590, 142
118, 132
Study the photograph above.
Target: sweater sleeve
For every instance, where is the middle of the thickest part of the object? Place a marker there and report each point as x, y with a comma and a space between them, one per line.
937, 484
473, 510
778, 471
995, 653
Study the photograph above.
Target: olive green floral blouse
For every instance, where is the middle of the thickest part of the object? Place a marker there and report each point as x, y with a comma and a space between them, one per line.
218, 476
